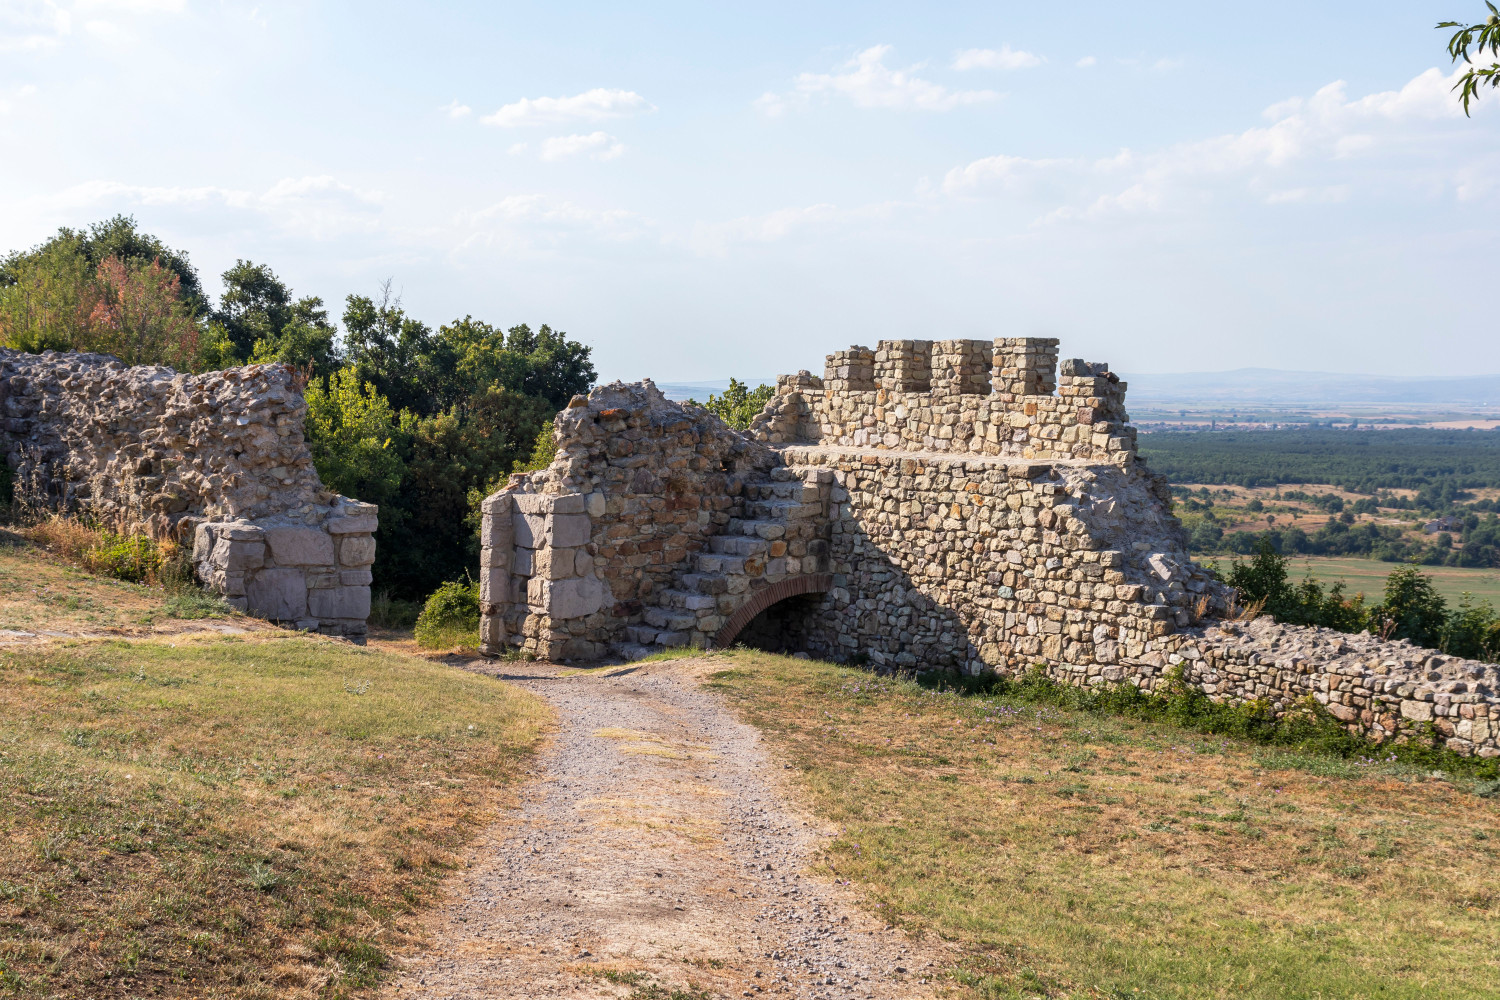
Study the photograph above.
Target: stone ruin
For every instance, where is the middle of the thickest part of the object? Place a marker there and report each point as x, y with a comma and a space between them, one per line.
962, 504
216, 462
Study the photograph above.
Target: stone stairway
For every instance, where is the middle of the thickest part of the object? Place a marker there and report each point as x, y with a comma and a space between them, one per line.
779, 530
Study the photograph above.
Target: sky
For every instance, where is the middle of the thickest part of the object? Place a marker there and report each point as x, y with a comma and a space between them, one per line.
701, 191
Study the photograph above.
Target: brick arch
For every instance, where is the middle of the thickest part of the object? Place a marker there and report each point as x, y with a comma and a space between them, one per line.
792, 586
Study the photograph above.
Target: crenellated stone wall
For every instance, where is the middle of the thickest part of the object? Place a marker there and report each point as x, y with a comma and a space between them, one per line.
971, 505
216, 462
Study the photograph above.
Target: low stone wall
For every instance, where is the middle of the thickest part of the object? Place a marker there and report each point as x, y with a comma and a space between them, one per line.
216, 461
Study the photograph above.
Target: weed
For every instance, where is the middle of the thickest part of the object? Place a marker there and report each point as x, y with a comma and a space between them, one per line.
262, 877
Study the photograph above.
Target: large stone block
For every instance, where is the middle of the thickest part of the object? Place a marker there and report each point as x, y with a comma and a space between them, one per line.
339, 602
300, 546
530, 529
237, 557
278, 594
570, 530
357, 550
574, 598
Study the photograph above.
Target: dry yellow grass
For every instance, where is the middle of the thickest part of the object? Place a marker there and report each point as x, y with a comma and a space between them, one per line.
1074, 855
246, 817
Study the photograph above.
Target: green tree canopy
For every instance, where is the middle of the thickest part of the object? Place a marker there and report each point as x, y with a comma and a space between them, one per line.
117, 237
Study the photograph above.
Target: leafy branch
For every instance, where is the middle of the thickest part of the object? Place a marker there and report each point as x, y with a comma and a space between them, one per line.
1479, 37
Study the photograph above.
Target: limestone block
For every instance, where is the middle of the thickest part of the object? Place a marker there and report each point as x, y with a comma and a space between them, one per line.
339, 602
278, 594
355, 577
531, 503
1417, 711
574, 598
300, 546
570, 530
572, 503
530, 530
594, 505
364, 524
524, 562
555, 563
237, 557
358, 550
499, 503
494, 585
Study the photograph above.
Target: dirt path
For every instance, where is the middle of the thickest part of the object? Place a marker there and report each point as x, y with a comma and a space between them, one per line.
655, 837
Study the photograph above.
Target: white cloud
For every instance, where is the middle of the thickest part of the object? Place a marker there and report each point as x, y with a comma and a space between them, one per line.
319, 207
598, 146
591, 105
1005, 58
531, 224
868, 83
1314, 150
992, 171
1086, 62
453, 109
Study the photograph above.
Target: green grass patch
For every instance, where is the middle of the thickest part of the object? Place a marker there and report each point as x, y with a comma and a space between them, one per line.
1097, 848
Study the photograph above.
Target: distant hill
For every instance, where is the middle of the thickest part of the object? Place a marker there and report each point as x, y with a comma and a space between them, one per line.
1250, 387
1262, 386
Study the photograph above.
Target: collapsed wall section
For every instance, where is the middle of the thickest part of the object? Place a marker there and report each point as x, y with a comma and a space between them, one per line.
216, 462
576, 558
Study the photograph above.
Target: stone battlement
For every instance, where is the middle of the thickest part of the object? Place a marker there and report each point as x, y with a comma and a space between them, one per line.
1001, 397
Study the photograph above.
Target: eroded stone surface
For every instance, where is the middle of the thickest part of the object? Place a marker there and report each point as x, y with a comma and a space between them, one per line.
216, 460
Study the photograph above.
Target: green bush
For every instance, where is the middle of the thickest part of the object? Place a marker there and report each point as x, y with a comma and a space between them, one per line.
135, 558
450, 617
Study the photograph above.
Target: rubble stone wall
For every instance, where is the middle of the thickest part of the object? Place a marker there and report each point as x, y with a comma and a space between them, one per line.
945, 510
216, 461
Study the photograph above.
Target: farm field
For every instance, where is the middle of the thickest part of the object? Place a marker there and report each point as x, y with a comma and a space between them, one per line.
1369, 576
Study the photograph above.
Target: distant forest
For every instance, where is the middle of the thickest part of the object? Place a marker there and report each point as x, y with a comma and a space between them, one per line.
1354, 460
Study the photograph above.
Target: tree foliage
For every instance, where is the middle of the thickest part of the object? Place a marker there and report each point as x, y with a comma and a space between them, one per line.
739, 404
1479, 37
1411, 608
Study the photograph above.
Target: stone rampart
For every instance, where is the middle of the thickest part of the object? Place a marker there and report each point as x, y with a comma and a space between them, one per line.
216, 461
953, 504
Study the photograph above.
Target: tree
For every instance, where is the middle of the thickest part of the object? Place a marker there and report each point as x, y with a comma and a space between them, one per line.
1412, 608
351, 430
739, 404
136, 312
116, 237
259, 318
1479, 37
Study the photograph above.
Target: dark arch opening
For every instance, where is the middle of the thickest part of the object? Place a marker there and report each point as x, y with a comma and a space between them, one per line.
760, 600
782, 627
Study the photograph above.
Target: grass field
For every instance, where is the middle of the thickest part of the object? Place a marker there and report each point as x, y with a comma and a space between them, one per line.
1369, 576
234, 816
1073, 855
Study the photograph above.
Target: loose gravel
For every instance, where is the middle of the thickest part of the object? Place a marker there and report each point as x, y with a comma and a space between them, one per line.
656, 843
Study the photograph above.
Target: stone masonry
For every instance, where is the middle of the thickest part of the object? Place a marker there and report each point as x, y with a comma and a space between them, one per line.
964, 504
216, 462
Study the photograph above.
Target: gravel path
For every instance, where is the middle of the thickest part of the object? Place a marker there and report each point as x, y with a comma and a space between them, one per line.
656, 837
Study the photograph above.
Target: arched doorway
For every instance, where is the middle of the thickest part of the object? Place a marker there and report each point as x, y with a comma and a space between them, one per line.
809, 588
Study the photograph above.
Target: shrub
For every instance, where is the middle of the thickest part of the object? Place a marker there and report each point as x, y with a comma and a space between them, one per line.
450, 617
135, 558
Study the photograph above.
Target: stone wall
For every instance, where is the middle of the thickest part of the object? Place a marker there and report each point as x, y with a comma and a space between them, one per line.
949, 504
214, 461
955, 396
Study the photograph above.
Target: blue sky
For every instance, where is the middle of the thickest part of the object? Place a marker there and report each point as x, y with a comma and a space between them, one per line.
704, 190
